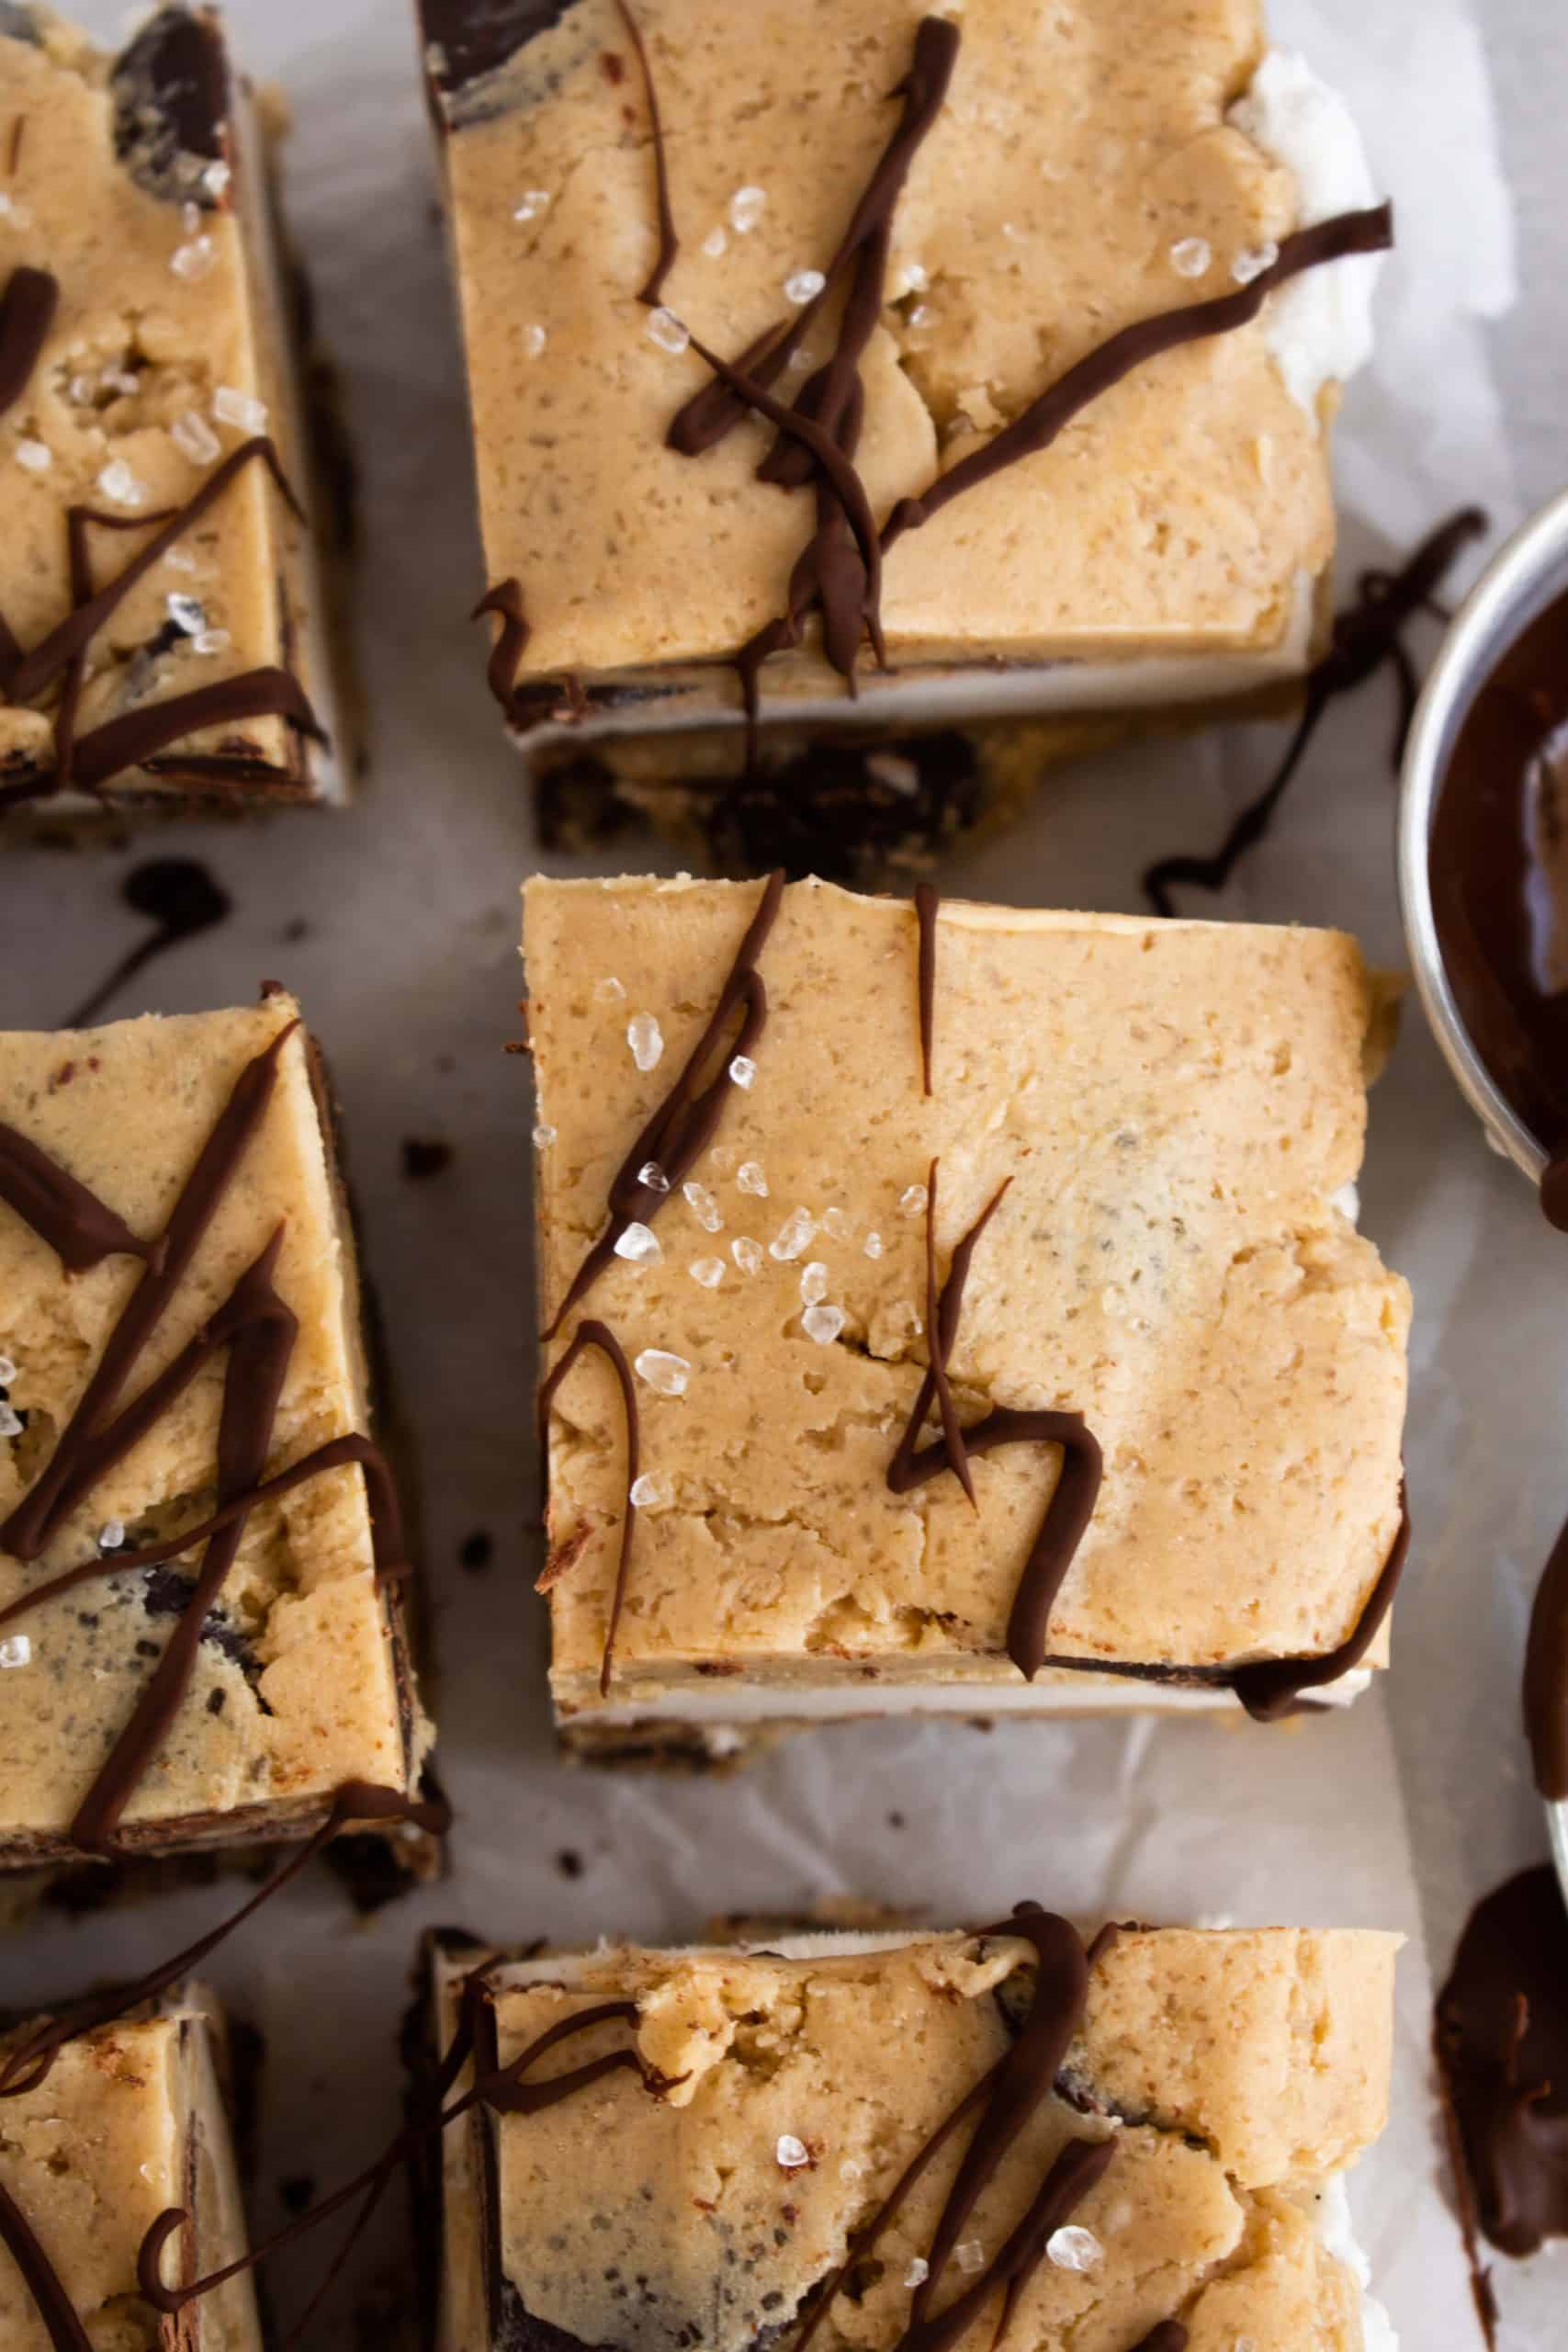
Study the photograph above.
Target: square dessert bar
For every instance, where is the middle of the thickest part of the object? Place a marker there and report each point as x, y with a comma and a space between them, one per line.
945, 216
201, 1611
162, 622
1174, 1374
739, 2159
129, 2120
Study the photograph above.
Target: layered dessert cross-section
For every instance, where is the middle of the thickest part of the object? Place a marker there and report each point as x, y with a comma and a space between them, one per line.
892, 375
164, 636
124, 2124
908, 2139
202, 1569
953, 1308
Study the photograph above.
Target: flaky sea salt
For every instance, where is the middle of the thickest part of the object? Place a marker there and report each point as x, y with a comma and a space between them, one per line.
194, 260
36, 456
1254, 262
747, 206
874, 1245
544, 1135
231, 406
747, 1254
8, 1372
215, 179
912, 1201
211, 641
814, 1282
534, 201
1191, 256
10, 1421
751, 1178
645, 1039
111, 1536
851, 2169
841, 1226
716, 244
651, 1176
792, 1236
186, 612
742, 1070
703, 1207
16, 1650
665, 1373
638, 1246
14, 211
1074, 2249
912, 279
194, 438
651, 1493
535, 339
609, 991
117, 481
708, 1273
792, 2153
667, 331
970, 2256
822, 1324
920, 2270
803, 286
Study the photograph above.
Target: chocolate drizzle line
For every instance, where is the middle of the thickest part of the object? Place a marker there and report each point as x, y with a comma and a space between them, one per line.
594, 1334
927, 905
258, 1331
181, 898
138, 736
27, 313
1366, 637
1073, 1499
668, 242
505, 600
1272, 1688
41, 2279
1168, 2336
1546, 1677
686, 1121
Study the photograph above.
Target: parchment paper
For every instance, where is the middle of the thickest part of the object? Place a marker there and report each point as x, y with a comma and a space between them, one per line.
408, 968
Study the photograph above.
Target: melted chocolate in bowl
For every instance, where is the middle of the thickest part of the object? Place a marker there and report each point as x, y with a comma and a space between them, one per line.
1499, 882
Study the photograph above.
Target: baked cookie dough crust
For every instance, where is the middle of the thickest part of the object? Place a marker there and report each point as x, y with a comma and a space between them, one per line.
142, 185
131, 2120
1090, 167
1177, 1109
302, 1681
1239, 2075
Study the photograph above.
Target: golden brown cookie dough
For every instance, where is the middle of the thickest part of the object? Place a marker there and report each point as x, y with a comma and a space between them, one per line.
137, 186
1177, 1109
131, 2120
779, 2094
1089, 169
301, 1679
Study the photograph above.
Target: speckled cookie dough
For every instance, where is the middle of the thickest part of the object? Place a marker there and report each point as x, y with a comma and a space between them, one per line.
1089, 168
1177, 1112
137, 187
300, 1680
708, 2193
130, 2121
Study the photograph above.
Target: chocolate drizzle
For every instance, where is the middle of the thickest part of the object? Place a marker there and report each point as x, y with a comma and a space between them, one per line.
505, 600
668, 242
41, 2279
257, 1330
1546, 1677
1073, 1499
180, 896
27, 313
594, 1334
138, 737
1168, 2336
1366, 637
1502, 2045
688, 1118
927, 905
1272, 1688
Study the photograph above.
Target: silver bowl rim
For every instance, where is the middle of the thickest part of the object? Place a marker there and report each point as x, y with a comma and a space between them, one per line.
1512, 590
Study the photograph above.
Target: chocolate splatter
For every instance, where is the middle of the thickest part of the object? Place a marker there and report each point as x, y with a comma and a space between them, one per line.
180, 897
569, 1862
594, 1334
477, 1551
26, 312
688, 1118
1502, 2044
1366, 637
1546, 1679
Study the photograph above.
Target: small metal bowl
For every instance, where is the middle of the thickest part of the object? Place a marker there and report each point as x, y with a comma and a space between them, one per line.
1526, 576
1531, 573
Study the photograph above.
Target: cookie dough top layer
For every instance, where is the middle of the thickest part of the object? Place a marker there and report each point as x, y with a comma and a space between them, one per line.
1236, 2074
1082, 176
295, 1689
138, 184
129, 2121
1176, 1108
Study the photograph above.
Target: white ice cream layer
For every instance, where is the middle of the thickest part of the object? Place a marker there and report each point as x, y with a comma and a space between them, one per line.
1320, 326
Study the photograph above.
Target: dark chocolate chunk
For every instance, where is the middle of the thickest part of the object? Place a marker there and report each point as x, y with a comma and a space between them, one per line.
466, 39
170, 105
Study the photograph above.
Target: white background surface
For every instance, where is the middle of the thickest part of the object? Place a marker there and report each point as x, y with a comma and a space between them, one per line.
408, 968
